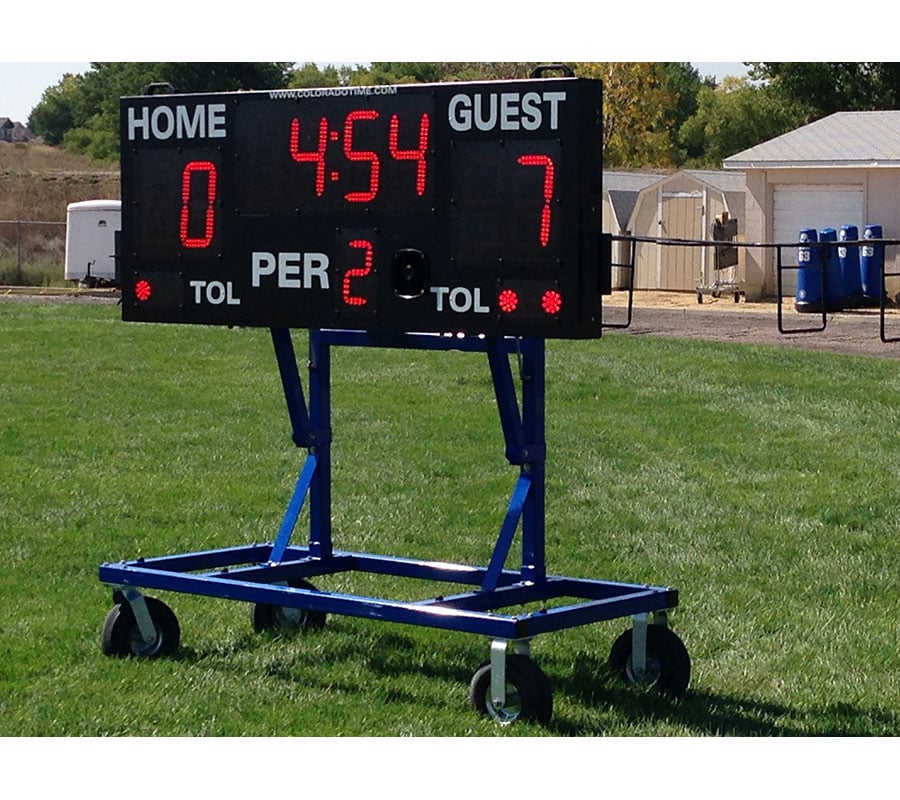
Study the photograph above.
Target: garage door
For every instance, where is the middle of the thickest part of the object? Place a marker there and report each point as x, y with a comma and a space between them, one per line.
814, 206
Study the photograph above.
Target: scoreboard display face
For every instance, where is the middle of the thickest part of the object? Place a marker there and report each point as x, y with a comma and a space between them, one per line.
450, 208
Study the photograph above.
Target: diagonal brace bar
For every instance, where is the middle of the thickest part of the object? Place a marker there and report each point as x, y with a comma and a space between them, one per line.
304, 433
507, 531
507, 403
295, 506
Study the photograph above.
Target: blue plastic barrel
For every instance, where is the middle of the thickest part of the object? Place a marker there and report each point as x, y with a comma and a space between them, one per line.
808, 297
834, 283
871, 265
848, 257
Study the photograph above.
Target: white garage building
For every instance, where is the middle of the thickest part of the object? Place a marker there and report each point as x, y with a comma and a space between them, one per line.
843, 169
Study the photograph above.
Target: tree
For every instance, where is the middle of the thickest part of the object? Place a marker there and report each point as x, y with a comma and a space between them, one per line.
55, 113
385, 72
309, 75
644, 103
225, 77
485, 70
655, 114
640, 104
733, 116
685, 81
82, 111
827, 87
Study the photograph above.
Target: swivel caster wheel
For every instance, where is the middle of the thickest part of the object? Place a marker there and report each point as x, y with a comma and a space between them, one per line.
266, 617
667, 665
122, 634
529, 695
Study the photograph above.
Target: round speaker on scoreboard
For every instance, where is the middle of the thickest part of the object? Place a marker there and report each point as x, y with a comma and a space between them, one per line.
409, 273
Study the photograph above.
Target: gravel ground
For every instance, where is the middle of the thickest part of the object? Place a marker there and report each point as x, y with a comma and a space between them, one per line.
856, 332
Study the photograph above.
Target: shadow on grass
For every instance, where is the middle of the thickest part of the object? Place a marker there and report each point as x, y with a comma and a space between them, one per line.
384, 654
702, 713
589, 684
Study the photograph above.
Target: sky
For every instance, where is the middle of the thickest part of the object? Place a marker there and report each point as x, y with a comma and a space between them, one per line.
23, 83
466, 30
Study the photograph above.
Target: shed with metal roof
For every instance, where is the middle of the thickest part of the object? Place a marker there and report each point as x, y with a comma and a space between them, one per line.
620, 195
843, 169
682, 205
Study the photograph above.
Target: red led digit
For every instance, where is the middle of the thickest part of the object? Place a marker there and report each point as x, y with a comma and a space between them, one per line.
549, 181
316, 156
359, 272
361, 155
417, 155
508, 301
209, 224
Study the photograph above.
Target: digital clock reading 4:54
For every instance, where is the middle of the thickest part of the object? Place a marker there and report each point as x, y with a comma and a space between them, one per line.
462, 207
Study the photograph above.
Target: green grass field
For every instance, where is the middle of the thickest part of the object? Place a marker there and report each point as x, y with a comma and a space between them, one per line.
763, 483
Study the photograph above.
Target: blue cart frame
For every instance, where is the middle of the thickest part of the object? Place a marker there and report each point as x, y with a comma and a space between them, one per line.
277, 574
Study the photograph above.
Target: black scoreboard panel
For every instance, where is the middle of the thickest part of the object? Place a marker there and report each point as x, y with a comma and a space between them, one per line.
459, 207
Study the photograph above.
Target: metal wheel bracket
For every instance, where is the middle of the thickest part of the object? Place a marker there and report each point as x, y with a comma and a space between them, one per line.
498, 673
141, 614
499, 648
293, 616
639, 646
522, 647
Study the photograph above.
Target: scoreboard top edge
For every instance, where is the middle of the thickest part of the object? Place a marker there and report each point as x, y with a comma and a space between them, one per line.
496, 109
373, 90
525, 106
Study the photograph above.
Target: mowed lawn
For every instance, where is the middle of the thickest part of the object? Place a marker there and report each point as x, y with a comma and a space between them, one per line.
763, 483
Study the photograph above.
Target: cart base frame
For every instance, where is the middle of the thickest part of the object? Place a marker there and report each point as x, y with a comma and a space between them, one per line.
505, 605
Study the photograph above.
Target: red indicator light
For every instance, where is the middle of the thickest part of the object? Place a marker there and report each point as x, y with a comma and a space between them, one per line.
551, 301
508, 301
143, 290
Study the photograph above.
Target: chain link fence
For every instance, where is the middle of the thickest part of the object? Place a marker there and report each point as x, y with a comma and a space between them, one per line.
32, 253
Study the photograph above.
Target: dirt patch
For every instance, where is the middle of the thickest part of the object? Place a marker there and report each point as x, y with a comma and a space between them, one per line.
30, 294
725, 302
680, 315
37, 181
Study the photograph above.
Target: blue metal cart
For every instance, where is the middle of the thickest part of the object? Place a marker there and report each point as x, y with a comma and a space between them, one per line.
509, 606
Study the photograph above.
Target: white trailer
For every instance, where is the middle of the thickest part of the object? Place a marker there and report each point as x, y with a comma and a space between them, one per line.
91, 227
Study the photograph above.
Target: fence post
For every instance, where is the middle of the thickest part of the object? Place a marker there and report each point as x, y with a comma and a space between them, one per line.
19, 252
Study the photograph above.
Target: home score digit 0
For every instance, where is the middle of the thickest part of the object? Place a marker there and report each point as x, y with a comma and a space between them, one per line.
466, 207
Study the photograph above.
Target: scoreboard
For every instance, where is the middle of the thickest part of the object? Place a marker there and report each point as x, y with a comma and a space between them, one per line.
450, 208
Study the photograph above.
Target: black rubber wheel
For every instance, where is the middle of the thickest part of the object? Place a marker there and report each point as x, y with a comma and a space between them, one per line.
668, 662
121, 635
265, 617
529, 695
